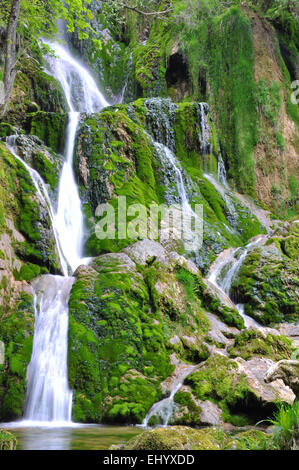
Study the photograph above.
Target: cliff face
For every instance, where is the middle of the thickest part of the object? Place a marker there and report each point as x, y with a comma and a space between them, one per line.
276, 154
236, 61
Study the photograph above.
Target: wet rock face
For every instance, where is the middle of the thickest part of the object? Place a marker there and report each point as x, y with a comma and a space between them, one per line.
267, 284
117, 156
27, 249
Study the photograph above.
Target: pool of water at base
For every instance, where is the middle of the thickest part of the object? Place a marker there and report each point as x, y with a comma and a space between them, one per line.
80, 437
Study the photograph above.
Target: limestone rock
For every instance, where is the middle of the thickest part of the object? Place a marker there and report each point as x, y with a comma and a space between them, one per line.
287, 371
177, 438
255, 372
210, 414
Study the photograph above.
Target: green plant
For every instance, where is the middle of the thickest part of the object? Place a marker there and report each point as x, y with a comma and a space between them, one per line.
286, 427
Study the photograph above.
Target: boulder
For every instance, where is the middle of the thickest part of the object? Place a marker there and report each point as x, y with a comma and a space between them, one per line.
210, 414
178, 438
287, 371
255, 372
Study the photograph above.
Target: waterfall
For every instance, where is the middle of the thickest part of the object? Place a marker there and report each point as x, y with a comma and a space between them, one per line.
183, 214
205, 145
82, 95
221, 170
42, 193
49, 399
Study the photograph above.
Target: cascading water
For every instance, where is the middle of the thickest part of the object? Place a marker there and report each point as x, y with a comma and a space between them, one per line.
191, 238
49, 396
222, 189
49, 399
82, 95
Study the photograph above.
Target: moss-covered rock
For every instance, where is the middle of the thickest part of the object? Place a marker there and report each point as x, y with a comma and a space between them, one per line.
34, 89
41, 158
238, 388
122, 316
28, 213
253, 343
116, 157
7, 440
290, 243
179, 438
16, 331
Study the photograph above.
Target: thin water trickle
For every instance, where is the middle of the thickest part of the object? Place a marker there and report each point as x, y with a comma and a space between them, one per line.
165, 408
225, 270
186, 221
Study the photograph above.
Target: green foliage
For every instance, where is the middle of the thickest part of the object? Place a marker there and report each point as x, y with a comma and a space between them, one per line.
269, 100
218, 44
286, 427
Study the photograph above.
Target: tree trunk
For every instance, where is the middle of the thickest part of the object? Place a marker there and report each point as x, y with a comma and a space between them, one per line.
10, 54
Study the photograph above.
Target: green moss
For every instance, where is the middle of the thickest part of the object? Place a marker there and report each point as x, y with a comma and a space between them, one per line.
29, 272
17, 335
216, 382
266, 284
219, 49
49, 127
7, 440
6, 129
111, 335
252, 343
179, 438
48, 171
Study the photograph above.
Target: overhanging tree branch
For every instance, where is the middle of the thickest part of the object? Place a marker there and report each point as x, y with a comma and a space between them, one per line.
145, 13
141, 12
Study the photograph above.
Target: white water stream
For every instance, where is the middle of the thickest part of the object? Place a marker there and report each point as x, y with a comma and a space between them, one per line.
165, 408
49, 399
